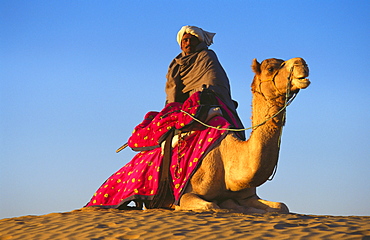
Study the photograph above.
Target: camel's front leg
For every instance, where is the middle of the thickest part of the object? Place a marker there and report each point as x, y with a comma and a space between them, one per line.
252, 200
191, 201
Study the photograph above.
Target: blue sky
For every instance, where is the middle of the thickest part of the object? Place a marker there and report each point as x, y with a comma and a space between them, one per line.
77, 76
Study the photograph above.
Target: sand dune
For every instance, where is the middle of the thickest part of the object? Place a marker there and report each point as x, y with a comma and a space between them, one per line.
99, 224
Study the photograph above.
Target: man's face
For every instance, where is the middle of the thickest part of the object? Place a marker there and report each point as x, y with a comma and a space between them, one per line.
189, 43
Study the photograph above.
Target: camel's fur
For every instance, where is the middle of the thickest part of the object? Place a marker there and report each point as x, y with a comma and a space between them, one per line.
228, 176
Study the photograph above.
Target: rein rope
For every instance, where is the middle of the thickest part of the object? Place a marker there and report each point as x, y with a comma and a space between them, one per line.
288, 100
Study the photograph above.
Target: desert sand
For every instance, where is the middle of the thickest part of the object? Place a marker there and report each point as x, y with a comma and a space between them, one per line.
93, 223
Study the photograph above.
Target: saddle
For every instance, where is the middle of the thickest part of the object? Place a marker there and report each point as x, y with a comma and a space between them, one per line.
163, 129
174, 117
176, 121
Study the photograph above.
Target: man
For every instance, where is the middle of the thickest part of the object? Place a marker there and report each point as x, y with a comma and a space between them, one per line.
197, 67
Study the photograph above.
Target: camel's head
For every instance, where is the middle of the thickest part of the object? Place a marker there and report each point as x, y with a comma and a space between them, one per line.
274, 77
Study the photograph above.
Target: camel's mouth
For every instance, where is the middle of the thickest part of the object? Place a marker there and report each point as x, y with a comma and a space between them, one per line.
301, 83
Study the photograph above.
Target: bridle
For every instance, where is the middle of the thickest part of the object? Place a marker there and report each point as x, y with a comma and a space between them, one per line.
272, 80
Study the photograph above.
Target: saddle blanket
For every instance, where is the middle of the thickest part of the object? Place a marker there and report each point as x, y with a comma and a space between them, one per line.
139, 178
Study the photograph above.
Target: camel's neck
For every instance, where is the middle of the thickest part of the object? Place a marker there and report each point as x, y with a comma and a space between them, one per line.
261, 151
264, 140
262, 110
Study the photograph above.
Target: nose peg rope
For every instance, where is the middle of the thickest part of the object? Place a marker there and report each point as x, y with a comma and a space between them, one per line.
288, 100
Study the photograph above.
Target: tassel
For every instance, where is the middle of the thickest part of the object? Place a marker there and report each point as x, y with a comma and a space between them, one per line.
164, 192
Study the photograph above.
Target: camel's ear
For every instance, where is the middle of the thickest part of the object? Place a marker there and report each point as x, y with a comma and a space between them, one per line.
256, 66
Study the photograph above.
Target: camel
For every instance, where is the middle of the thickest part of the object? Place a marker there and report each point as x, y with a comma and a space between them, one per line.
230, 173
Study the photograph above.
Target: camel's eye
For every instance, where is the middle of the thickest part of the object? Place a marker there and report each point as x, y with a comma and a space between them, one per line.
271, 69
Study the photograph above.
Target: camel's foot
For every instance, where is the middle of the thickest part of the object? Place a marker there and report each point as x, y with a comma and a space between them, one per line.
255, 206
275, 206
232, 206
264, 205
191, 201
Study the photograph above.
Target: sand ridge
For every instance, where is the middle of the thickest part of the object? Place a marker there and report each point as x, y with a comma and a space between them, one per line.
96, 224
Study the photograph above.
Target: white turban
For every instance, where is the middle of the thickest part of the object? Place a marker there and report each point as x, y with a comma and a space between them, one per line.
202, 35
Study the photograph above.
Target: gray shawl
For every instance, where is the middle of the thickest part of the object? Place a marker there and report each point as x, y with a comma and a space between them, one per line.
187, 75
